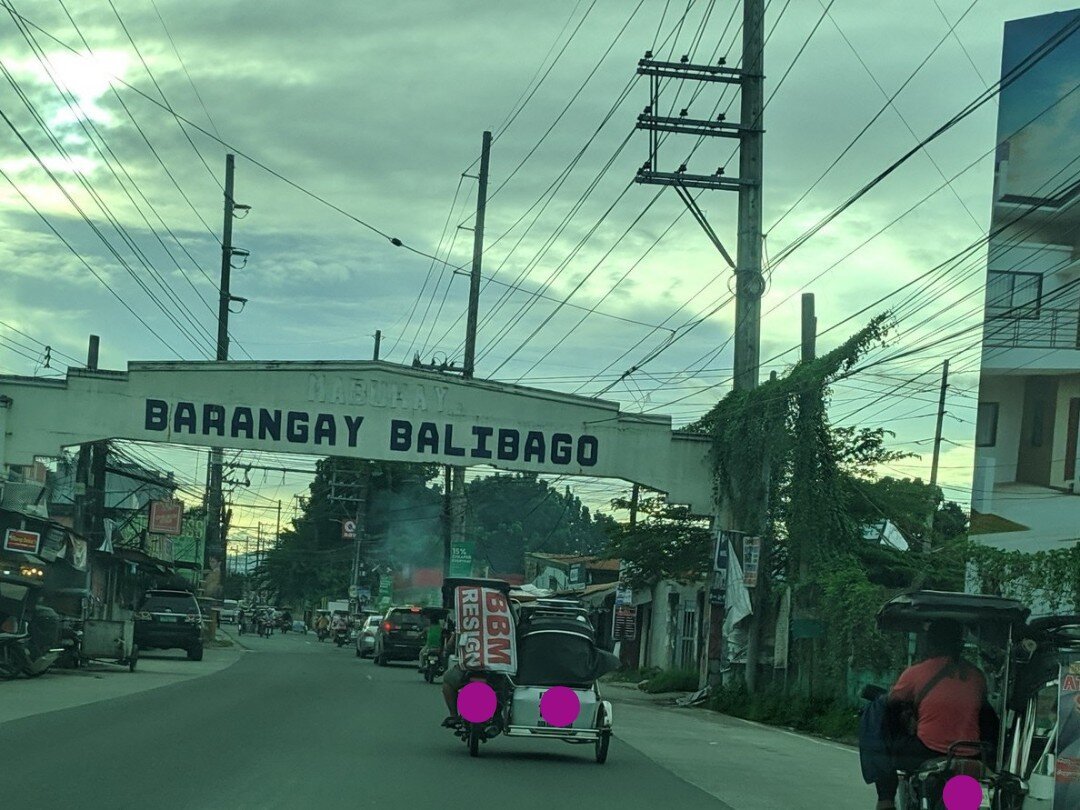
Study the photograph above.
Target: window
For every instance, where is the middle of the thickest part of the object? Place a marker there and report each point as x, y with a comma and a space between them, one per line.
1013, 295
986, 424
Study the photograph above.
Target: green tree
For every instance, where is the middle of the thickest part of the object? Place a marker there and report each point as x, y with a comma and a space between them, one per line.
667, 543
403, 527
512, 514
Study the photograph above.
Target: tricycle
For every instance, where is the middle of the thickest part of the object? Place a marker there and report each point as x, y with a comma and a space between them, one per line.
537, 670
29, 632
1026, 664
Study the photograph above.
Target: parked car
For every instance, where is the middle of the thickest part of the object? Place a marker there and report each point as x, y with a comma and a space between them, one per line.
400, 635
169, 620
228, 611
365, 639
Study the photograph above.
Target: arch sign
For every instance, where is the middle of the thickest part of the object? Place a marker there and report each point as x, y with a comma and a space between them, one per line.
373, 410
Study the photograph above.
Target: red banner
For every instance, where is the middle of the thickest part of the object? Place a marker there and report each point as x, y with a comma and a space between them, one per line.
485, 627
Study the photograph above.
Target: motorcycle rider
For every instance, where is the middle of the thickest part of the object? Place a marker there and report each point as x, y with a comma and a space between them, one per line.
434, 640
948, 695
338, 624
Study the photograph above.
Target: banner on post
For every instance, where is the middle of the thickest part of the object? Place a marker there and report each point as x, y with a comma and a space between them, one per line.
461, 558
1067, 763
485, 630
624, 622
751, 559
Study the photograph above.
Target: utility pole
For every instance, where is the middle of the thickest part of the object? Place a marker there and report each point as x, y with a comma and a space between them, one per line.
456, 480
749, 279
81, 517
214, 551
634, 496
378, 343
937, 447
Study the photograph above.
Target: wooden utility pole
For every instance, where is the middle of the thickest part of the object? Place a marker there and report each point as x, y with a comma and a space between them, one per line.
477, 258
928, 537
81, 516
456, 480
214, 550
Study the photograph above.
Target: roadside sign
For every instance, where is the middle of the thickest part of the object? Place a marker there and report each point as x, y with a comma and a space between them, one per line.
166, 517
624, 595
624, 623
353, 591
751, 558
577, 579
461, 558
22, 541
720, 551
348, 530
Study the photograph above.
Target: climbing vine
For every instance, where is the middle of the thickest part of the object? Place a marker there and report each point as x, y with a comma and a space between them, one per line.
1044, 579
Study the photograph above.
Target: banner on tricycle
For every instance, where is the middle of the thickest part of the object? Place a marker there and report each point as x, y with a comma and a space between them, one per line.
486, 633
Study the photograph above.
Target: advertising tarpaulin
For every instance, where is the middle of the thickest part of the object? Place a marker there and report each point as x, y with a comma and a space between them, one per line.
624, 623
485, 626
1067, 765
22, 541
461, 558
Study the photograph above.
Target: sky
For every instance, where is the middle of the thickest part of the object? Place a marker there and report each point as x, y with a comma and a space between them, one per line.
378, 109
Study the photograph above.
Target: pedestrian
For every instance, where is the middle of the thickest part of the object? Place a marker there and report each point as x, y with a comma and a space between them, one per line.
240, 621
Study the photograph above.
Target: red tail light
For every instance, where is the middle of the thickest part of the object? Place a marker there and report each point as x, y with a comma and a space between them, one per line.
387, 626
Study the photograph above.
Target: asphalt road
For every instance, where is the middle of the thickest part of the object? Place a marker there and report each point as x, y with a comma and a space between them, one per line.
298, 724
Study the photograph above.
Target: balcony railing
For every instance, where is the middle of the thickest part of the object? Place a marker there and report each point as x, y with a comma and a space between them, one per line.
1052, 329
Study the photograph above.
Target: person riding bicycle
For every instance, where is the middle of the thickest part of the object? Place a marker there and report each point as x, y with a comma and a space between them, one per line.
947, 694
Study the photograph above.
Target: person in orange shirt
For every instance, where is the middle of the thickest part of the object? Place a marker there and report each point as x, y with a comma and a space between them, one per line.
948, 694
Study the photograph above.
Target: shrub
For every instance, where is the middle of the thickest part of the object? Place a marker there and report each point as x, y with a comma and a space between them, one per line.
672, 680
632, 675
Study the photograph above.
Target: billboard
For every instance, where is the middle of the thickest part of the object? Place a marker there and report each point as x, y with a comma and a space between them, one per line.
1026, 483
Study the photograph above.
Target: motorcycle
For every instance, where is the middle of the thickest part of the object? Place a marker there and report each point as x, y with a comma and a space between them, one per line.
341, 636
433, 665
552, 646
1023, 661
29, 633
323, 633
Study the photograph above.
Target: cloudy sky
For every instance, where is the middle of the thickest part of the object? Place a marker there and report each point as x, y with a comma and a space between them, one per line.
378, 108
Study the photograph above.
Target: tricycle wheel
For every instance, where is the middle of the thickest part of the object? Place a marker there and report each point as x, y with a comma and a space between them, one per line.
602, 746
474, 741
133, 659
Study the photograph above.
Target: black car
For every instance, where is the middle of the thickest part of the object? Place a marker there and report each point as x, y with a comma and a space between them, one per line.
400, 636
169, 620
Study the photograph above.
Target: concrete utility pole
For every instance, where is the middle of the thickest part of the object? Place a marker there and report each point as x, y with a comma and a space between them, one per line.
456, 480
378, 344
215, 542
749, 280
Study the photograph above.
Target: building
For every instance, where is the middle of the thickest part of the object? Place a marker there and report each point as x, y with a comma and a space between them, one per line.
556, 572
1026, 486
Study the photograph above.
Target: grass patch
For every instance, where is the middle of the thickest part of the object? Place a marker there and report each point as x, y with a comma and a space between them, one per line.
672, 680
825, 717
631, 675
993, 524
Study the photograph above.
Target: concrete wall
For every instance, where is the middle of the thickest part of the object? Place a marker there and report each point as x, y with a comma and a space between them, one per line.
998, 463
1068, 388
664, 631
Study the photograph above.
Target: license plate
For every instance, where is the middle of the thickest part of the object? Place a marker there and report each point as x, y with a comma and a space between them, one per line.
168, 618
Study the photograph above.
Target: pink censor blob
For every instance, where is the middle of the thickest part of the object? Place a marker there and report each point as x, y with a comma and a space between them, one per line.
962, 793
559, 706
476, 702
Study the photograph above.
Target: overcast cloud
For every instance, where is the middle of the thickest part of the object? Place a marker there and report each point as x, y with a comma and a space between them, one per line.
379, 108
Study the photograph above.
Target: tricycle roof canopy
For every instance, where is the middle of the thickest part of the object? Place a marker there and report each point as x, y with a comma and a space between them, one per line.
911, 611
373, 410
